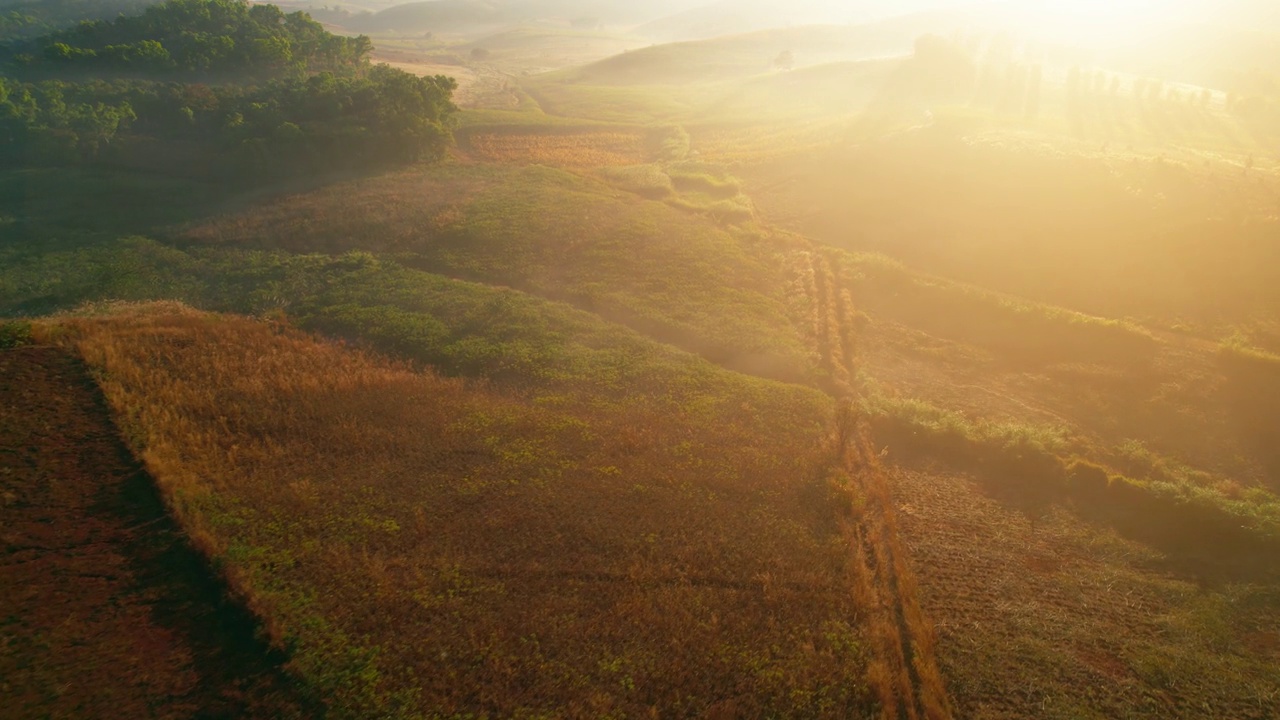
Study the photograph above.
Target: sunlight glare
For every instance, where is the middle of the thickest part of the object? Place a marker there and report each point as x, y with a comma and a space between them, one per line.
1102, 21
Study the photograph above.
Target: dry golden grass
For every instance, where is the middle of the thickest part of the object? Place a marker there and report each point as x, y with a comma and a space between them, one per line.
560, 149
427, 547
755, 144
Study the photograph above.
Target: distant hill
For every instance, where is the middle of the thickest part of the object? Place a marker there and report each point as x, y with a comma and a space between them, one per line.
462, 15
820, 90
740, 16
433, 15
755, 52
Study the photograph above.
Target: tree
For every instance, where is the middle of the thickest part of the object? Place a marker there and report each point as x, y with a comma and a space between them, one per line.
784, 61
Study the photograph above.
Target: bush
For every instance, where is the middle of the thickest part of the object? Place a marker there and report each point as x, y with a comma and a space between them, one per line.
15, 334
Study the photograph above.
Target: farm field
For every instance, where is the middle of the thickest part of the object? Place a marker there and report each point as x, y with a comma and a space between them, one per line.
905, 364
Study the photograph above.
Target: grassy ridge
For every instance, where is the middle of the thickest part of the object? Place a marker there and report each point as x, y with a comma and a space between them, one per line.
401, 532
711, 289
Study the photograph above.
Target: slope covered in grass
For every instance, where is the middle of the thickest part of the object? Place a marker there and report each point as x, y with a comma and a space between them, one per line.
679, 277
429, 547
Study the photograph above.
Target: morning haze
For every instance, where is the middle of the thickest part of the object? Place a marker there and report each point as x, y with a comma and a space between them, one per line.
593, 359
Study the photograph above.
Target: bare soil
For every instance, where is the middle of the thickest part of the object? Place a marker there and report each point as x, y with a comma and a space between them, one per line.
105, 610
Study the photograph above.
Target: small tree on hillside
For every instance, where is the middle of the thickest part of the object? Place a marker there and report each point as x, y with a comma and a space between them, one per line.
785, 60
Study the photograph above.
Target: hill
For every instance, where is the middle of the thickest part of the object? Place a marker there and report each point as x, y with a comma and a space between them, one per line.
545, 546
470, 16
752, 53
215, 89
934, 385
197, 37
432, 16
101, 586
732, 17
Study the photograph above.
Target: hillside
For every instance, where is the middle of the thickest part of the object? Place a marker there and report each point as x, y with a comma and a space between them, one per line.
432, 15
732, 17
899, 370
100, 586
358, 561
750, 53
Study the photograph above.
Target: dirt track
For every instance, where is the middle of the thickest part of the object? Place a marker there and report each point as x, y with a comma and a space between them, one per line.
105, 612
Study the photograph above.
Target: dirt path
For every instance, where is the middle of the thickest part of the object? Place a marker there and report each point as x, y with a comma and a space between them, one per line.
105, 612
905, 673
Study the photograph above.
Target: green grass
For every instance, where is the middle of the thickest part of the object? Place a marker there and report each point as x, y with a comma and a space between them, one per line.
52, 207
464, 328
1147, 494
14, 333
681, 278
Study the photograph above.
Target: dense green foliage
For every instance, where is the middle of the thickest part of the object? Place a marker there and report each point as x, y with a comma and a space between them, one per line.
290, 97
200, 38
38, 121
284, 127
24, 19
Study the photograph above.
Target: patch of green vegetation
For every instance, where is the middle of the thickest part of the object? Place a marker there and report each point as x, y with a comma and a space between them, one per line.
24, 19
648, 181
715, 290
700, 177
1044, 463
461, 327
15, 333
200, 37
1238, 348
52, 208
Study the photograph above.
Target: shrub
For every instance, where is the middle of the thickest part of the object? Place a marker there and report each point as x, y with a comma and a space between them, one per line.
15, 334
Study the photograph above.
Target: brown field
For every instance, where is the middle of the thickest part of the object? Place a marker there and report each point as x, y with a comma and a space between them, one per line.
107, 611
569, 150
554, 554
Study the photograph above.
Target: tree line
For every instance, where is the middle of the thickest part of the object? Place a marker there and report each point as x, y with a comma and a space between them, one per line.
284, 96
382, 115
26, 19
187, 38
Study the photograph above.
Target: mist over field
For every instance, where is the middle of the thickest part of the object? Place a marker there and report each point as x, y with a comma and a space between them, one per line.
597, 359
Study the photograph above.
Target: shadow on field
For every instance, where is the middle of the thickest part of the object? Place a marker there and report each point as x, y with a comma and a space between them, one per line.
1252, 394
114, 613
